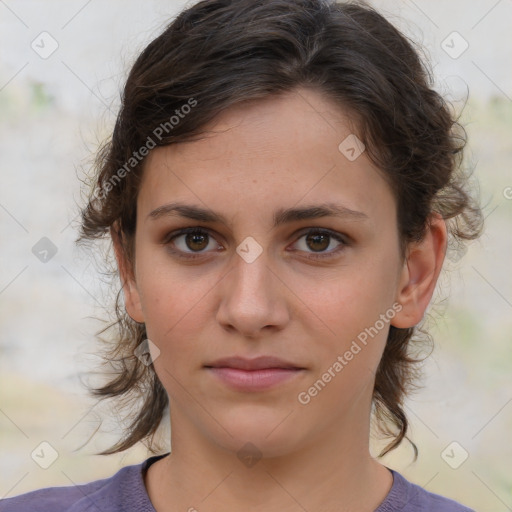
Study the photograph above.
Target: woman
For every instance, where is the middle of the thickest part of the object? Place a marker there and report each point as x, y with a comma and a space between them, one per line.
280, 189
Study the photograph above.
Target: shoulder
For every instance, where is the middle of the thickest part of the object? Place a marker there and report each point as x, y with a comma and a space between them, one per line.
406, 496
57, 499
121, 492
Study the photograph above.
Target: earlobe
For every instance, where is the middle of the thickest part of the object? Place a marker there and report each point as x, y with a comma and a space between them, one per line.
131, 294
420, 274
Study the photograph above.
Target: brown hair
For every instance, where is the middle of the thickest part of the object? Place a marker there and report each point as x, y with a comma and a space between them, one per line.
218, 53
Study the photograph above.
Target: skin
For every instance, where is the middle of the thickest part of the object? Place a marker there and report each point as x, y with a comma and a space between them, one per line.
261, 156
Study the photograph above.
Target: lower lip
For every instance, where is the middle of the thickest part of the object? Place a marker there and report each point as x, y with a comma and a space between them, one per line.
254, 380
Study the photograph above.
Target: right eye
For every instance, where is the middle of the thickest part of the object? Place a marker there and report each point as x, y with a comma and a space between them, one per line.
190, 242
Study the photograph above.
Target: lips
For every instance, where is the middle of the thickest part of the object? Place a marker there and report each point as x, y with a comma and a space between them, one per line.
259, 363
253, 375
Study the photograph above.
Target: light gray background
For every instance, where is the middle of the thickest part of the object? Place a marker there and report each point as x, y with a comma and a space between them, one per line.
53, 112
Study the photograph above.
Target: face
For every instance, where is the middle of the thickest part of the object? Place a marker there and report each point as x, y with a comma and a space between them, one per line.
262, 280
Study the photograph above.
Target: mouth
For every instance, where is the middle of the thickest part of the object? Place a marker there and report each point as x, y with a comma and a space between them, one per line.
257, 374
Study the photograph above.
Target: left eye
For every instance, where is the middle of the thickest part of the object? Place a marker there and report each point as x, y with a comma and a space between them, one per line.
319, 240
193, 242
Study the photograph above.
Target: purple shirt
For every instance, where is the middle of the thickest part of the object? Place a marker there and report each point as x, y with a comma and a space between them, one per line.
125, 492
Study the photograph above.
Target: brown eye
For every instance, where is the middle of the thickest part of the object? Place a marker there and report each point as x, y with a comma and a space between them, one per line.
196, 241
317, 241
190, 242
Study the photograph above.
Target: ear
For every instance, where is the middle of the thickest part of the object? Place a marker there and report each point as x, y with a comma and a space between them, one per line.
420, 272
126, 274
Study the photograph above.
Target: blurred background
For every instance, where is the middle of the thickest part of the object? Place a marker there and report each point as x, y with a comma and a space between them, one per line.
62, 65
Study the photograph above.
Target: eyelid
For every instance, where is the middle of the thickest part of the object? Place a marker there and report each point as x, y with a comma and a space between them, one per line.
344, 239
170, 237
335, 234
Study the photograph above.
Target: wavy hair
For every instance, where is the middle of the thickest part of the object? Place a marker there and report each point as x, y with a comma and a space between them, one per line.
222, 52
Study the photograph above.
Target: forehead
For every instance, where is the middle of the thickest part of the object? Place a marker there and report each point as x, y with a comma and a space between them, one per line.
264, 155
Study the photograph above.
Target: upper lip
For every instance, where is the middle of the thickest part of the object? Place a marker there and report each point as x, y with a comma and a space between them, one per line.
258, 363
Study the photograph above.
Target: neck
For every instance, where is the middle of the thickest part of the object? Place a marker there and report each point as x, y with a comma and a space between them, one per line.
200, 475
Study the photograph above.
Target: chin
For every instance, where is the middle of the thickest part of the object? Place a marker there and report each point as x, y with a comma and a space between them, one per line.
269, 432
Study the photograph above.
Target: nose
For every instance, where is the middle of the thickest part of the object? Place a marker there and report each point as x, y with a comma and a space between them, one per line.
253, 298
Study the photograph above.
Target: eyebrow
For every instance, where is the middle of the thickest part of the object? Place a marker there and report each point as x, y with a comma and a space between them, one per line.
281, 216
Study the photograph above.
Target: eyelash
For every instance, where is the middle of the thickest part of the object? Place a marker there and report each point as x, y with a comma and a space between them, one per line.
201, 231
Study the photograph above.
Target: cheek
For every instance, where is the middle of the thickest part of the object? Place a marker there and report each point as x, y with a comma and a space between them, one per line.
351, 301
349, 317
174, 303
166, 291
170, 307
349, 340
